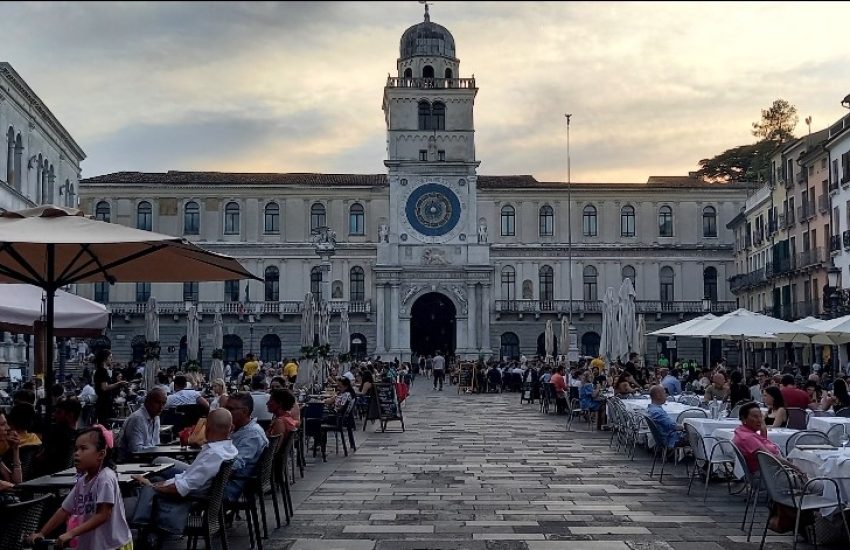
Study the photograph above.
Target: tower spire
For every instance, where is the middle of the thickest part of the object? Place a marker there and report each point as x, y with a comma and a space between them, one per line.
427, 15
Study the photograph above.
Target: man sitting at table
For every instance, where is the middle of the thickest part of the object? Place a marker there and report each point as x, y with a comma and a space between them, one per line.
58, 448
718, 388
751, 437
791, 394
141, 429
184, 396
248, 438
187, 480
671, 432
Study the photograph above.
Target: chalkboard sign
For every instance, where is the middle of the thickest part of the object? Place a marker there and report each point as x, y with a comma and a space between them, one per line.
466, 378
388, 406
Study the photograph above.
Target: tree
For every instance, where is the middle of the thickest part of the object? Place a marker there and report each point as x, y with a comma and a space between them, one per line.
742, 163
777, 123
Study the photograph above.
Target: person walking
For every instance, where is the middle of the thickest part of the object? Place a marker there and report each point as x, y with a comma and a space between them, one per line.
439, 365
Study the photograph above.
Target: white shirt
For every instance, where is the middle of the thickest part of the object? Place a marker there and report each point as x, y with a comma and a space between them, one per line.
197, 479
438, 362
261, 412
182, 397
88, 395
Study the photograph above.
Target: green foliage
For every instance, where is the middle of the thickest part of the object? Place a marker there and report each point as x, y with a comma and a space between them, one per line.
191, 366
218, 353
314, 352
151, 351
742, 163
777, 122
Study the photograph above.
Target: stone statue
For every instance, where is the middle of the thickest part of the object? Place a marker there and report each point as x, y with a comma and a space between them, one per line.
383, 233
432, 148
411, 290
482, 232
434, 256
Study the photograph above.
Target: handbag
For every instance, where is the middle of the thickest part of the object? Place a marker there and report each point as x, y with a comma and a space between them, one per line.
782, 518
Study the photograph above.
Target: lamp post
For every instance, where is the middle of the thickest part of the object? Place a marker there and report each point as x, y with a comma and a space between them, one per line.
251, 321
833, 276
572, 350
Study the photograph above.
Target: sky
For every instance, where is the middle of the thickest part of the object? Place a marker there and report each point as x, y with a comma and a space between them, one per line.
297, 87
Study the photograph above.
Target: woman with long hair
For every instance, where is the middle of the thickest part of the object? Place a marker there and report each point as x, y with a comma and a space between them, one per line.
776, 416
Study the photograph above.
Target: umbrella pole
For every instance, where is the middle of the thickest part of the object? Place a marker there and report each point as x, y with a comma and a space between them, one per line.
50, 290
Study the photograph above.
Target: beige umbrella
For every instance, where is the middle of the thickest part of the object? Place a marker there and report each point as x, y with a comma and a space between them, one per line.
151, 342
549, 339
217, 368
51, 247
193, 334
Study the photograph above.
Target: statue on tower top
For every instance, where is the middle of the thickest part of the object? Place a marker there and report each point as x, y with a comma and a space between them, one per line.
426, 4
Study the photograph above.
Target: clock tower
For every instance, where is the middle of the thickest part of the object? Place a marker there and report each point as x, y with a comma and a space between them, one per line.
433, 269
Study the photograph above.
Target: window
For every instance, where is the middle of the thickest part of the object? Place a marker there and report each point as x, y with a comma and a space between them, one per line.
438, 116
101, 292
231, 219
508, 283
144, 216
666, 280
270, 348
356, 219
427, 71
272, 284
547, 284
629, 273
448, 73
508, 224
192, 219
231, 291
665, 221
408, 73
190, 292
271, 219
10, 156
441, 156
547, 221
709, 284
509, 346
316, 283
423, 155
143, 292
709, 222
424, 115
102, 212
627, 221
357, 283
589, 279
588, 221
317, 216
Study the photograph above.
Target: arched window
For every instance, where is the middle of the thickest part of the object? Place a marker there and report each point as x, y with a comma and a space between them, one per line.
449, 73
270, 348
627, 221
232, 348
316, 283
144, 216
103, 212
709, 283
438, 116
588, 221
589, 283
508, 283
709, 222
39, 165
143, 292
546, 221
10, 157
317, 216
590, 344
665, 277
427, 71
356, 219
527, 289
509, 346
629, 273
508, 224
358, 346
101, 292
424, 115
665, 221
192, 219
271, 219
51, 184
137, 345
547, 284
357, 284
191, 291
408, 73
231, 219
272, 283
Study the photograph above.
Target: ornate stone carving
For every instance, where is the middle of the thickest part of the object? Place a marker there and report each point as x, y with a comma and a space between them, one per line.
434, 256
383, 233
409, 292
482, 231
460, 293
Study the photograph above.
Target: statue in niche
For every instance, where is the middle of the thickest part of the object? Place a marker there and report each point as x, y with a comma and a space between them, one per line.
432, 149
527, 290
336, 292
482, 232
383, 233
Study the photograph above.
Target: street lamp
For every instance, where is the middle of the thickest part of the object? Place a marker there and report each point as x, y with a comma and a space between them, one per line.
251, 321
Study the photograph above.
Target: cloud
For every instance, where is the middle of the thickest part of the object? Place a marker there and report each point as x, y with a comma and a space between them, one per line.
251, 86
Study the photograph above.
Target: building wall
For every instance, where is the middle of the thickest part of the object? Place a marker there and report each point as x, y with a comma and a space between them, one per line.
838, 146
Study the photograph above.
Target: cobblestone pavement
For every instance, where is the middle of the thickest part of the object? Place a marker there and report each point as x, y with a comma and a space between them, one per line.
484, 472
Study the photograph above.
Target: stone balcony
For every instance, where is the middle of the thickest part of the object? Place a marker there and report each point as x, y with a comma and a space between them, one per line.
595, 306
280, 308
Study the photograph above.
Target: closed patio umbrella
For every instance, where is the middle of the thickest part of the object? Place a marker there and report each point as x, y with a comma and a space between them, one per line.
640, 338
344, 338
52, 246
151, 341
549, 339
193, 334
626, 320
217, 368
305, 368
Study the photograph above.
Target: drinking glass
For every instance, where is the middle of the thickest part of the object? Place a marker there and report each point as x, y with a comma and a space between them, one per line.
845, 439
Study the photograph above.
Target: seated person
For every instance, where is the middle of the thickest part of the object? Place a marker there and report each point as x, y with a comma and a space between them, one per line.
20, 419
260, 397
777, 416
590, 396
184, 396
671, 382
622, 387
57, 452
141, 429
186, 480
671, 432
718, 390
249, 439
162, 382
738, 391
280, 405
751, 437
9, 475
559, 384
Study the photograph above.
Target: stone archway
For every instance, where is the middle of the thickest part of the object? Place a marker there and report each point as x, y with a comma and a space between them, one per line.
433, 325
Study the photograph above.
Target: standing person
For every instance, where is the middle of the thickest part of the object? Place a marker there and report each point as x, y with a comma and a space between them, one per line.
106, 392
290, 371
429, 366
439, 365
250, 368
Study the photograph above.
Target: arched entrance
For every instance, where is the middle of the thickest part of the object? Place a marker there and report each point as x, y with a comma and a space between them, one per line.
432, 325
590, 344
358, 346
541, 345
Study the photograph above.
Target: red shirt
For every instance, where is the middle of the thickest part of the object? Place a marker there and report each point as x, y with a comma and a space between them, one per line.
559, 384
749, 442
794, 397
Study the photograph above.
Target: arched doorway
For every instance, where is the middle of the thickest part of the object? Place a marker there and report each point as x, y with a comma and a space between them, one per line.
358, 346
541, 345
232, 348
432, 325
509, 348
270, 348
137, 345
590, 344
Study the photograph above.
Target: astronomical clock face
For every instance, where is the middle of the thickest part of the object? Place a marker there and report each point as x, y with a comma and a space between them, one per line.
433, 210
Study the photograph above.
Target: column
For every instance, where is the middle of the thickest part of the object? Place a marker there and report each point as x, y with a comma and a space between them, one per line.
380, 320
394, 317
485, 304
471, 319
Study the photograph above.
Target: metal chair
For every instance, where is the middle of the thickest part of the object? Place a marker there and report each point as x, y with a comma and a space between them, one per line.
753, 486
785, 490
806, 437
251, 500
797, 418
283, 458
20, 520
705, 458
575, 409
843, 412
835, 433
659, 448
338, 427
691, 413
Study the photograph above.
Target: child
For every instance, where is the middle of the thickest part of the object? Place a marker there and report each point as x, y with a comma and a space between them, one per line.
93, 509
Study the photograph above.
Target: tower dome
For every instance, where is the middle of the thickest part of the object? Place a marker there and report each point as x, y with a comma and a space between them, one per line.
427, 38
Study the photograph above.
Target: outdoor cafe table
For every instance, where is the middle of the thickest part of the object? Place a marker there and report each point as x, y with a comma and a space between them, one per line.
640, 405
172, 451
66, 479
706, 426
780, 436
824, 423
829, 463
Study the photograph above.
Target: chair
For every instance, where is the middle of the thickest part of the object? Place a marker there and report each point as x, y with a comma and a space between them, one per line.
806, 437
782, 489
340, 423
282, 459
797, 418
735, 410
835, 434
753, 486
575, 409
21, 520
843, 412
545, 399
659, 448
705, 458
691, 413
525, 393
256, 486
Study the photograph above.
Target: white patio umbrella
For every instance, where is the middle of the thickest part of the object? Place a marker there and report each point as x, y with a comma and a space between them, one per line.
217, 368
674, 330
627, 323
21, 306
549, 339
640, 338
609, 339
838, 329
51, 247
565, 336
193, 334
305, 368
344, 338
151, 340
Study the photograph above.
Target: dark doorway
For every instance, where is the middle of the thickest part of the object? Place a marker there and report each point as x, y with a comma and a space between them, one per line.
541, 345
432, 325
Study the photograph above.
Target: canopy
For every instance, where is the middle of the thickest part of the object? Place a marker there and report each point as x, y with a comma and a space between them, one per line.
806, 332
22, 305
838, 330
52, 246
738, 324
675, 329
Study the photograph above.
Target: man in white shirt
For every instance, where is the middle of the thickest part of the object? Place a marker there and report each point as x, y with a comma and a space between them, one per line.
192, 480
439, 365
261, 398
141, 429
184, 396
87, 394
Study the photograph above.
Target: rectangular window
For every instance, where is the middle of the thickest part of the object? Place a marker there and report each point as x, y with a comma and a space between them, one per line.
441, 156
143, 292
423, 155
190, 292
101, 292
231, 291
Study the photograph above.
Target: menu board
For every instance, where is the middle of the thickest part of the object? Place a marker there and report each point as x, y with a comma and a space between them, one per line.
466, 378
388, 406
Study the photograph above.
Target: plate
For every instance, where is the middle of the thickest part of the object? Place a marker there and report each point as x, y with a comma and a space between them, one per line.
823, 447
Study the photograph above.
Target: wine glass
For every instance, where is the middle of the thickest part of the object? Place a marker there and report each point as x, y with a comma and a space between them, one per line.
845, 439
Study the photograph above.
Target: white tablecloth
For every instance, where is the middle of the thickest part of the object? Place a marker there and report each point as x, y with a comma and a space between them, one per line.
780, 436
830, 464
824, 423
706, 426
640, 405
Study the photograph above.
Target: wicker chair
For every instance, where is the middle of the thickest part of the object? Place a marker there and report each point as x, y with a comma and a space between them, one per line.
251, 500
338, 426
284, 457
19, 521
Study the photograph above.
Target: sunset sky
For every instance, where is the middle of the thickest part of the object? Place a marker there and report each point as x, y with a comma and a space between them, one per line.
653, 88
